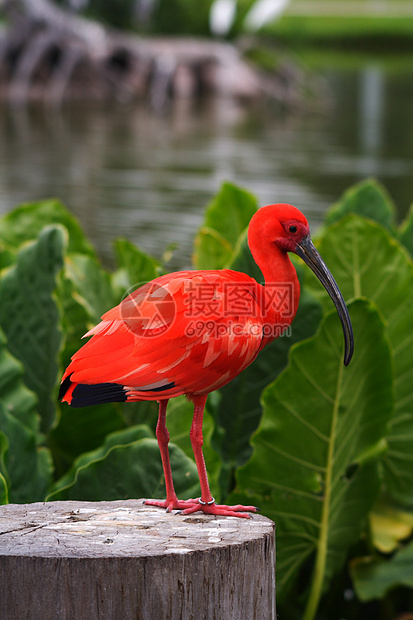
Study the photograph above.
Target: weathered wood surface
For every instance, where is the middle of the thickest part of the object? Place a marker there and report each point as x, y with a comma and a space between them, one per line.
122, 559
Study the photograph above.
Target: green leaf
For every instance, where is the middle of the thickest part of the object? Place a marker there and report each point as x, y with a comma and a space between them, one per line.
4, 477
242, 260
129, 470
226, 218
15, 397
405, 232
25, 468
26, 222
92, 285
135, 266
75, 320
29, 315
81, 430
4, 496
366, 261
118, 438
314, 466
373, 576
29, 468
389, 525
141, 412
368, 198
7, 257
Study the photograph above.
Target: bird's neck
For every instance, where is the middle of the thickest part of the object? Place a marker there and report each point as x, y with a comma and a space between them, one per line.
282, 289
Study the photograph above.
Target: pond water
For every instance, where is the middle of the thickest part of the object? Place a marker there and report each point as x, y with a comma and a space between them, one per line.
127, 172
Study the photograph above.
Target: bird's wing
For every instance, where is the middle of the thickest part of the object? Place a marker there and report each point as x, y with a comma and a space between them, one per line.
188, 332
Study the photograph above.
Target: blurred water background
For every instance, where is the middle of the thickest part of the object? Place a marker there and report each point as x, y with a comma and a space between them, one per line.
125, 171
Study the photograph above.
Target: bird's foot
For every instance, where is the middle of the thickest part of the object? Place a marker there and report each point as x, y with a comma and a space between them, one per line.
189, 506
172, 503
211, 508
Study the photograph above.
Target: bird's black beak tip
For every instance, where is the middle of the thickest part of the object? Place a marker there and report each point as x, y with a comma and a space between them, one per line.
347, 360
348, 353
306, 250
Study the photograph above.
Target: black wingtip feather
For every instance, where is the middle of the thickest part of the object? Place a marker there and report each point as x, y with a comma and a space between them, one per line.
84, 395
64, 386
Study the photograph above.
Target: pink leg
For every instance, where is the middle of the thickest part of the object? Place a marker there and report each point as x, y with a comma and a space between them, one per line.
162, 435
206, 502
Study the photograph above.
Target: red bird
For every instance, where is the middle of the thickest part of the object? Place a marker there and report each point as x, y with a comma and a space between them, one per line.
191, 332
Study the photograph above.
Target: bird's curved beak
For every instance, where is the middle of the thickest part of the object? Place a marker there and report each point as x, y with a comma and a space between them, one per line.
306, 250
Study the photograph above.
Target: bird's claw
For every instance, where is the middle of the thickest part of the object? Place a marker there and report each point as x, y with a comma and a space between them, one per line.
171, 504
189, 506
221, 510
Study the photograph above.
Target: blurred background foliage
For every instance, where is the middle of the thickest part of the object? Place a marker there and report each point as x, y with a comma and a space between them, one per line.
329, 20
324, 451
344, 508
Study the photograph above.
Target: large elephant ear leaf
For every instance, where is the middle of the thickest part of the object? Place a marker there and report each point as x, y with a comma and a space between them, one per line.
128, 465
368, 262
29, 315
374, 576
15, 397
226, 218
314, 466
26, 222
405, 232
26, 467
368, 198
135, 267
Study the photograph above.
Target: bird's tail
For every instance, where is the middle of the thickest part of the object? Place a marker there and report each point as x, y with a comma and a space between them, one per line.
83, 394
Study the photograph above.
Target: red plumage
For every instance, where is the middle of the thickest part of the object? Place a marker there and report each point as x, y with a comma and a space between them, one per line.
200, 341
191, 332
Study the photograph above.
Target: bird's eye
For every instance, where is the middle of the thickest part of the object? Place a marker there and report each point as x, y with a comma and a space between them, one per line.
292, 229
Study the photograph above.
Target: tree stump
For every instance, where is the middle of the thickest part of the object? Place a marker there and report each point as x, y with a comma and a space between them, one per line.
72, 560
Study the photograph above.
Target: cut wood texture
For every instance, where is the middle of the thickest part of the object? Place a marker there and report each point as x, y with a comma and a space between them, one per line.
122, 559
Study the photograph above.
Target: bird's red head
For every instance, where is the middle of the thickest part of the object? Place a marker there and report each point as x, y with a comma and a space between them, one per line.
280, 224
277, 229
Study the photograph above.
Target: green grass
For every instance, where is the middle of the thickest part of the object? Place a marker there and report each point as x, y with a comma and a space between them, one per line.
314, 56
333, 21
343, 28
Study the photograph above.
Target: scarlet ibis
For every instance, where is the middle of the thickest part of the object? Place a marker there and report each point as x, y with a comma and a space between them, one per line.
191, 332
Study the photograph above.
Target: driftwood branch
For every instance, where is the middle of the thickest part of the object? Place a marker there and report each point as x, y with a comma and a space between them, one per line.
51, 54
126, 560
